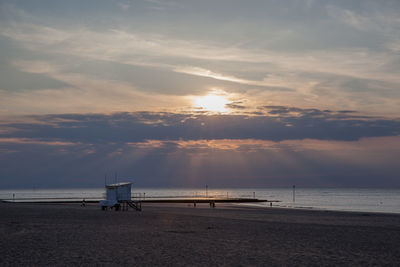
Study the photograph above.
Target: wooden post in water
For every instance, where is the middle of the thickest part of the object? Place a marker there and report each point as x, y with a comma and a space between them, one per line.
294, 193
206, 190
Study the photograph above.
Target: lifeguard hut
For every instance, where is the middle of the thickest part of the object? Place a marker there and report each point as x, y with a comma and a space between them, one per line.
118, 196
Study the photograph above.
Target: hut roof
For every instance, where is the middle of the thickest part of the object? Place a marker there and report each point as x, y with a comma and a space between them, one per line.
119, 184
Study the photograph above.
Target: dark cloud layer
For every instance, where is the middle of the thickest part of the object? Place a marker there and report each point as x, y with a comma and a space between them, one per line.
276, 124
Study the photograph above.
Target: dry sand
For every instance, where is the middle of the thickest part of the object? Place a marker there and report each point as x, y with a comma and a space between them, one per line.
178, 235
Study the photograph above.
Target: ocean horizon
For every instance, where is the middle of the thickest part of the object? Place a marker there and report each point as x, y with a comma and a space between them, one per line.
335, 199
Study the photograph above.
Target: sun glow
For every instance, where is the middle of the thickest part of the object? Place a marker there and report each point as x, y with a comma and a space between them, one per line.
211, 102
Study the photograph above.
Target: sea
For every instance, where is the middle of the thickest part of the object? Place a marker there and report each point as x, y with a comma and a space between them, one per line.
337, 199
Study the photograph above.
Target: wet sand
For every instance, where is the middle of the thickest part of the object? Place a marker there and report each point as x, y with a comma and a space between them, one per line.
178, 235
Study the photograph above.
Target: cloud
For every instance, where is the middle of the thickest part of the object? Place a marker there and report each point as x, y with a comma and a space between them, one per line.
351, 18
271, 82
369, 17
124, 6
80, 93
341, 76
39, 67
208, 73
133, 89
278, 123
35, 141
146, 49
164, 5
235, 106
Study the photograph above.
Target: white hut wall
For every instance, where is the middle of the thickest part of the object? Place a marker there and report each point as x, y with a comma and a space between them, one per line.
112, 193
124, 192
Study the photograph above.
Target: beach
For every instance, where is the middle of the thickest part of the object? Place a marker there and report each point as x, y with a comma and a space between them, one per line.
183, 235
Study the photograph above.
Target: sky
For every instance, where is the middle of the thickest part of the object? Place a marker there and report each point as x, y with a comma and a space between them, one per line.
186, 93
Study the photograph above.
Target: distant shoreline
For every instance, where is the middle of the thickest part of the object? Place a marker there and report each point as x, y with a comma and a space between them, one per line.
362, 200
232, 203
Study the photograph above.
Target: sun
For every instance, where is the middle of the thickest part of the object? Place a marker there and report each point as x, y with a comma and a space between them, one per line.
211, 102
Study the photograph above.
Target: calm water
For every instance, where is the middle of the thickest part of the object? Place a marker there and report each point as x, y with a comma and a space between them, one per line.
374, 200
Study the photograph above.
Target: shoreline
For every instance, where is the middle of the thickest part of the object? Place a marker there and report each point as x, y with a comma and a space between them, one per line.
323, 209
248, 203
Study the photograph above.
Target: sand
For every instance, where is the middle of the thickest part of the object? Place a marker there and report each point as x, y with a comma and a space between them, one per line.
178, 235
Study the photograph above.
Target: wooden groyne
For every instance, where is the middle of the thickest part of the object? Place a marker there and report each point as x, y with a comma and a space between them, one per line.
148, 200
209, 200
